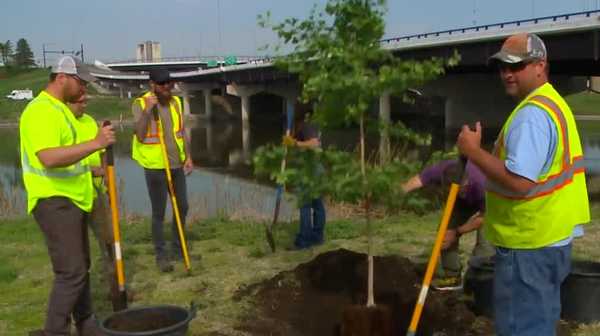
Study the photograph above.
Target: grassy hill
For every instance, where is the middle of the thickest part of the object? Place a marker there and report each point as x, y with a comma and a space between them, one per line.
101, 107
585, 103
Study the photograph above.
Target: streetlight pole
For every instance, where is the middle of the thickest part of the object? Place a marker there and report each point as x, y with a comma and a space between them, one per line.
69, 52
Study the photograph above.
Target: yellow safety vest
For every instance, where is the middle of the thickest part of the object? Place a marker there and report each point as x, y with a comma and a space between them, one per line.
89, 130
148, 152
549, 211
74, 181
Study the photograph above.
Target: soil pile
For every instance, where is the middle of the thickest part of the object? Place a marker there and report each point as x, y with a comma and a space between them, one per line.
311, 299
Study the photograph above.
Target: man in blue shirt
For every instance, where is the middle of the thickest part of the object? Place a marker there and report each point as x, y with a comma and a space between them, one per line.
528, 276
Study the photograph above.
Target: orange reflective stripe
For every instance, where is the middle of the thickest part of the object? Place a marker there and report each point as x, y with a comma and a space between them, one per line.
546, 187
552, 107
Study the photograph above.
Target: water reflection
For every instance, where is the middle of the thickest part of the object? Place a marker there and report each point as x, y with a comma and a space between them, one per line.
222, 183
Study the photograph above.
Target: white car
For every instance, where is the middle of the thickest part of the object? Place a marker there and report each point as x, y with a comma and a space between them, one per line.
20, 95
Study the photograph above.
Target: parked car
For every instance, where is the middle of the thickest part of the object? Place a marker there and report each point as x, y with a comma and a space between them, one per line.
20, 95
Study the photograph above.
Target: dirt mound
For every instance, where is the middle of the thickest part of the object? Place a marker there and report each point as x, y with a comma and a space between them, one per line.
311, 299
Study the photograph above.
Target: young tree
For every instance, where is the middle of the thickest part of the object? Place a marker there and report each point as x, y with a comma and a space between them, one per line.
23, 55
343, 68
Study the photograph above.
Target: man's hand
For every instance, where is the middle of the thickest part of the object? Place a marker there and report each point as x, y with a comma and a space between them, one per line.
97, 171
469, 141
449, 238
151, 101
188, 166
105, 136
288, 141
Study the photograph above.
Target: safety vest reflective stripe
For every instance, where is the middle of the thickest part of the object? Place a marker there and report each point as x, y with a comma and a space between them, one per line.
152, 136
78, 169
554, 182
544, 188
550, 105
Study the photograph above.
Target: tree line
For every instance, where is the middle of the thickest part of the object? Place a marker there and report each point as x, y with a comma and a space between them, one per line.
18, 56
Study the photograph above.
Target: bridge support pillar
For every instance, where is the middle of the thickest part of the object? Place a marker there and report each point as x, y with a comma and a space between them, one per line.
244, 92
384, 136
187, 90
207, 102
186, 104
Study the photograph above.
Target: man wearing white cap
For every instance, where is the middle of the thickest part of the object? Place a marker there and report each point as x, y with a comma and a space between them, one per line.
59, 188
536, 196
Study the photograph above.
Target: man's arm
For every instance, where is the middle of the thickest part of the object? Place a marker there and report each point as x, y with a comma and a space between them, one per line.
469, 144
64, 156
413, 183
188, 164
142, 117
310, 143
472, 224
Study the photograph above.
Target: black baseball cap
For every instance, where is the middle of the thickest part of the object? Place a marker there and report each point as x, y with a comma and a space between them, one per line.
160, 75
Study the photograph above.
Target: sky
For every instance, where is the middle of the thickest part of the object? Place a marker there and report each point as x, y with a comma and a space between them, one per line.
110, 29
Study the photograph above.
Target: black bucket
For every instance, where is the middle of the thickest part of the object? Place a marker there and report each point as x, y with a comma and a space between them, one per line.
580, 293
479, 282
164, 320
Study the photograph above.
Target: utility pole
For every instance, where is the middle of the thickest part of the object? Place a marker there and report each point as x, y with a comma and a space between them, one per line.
62, 52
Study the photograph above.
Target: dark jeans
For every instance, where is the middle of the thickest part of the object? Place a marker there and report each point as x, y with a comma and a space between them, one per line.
312, 224
156, 181
527, 290
65, 231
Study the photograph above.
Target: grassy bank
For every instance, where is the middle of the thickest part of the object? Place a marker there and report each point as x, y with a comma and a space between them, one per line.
101, 107
225, 255
587, 103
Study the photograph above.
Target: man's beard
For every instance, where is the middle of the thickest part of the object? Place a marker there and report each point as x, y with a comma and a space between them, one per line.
164, 98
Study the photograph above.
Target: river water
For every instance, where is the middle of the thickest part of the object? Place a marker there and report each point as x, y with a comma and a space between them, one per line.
222, 183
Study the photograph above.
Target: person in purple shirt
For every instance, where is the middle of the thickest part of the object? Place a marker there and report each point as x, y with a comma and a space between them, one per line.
466, 217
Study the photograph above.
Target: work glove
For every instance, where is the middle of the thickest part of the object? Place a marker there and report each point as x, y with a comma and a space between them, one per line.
288, 141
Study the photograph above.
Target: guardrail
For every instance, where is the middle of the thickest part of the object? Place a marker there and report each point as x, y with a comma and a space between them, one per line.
500, 25
441, 33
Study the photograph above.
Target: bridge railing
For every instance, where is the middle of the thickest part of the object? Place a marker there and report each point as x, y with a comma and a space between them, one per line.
191, 59
499, 25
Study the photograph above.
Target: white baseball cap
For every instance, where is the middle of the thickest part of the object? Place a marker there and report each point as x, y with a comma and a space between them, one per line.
73, 66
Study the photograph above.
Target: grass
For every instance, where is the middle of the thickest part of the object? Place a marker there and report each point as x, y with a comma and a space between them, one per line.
101, 107
584, 103
225, 256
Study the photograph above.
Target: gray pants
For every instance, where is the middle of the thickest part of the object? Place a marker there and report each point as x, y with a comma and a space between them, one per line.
156, 181
451, 264
65, 231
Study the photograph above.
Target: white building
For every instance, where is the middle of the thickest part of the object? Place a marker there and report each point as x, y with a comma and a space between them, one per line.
148, 51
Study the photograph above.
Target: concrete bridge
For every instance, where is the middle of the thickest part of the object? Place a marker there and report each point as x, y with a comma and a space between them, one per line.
468, 92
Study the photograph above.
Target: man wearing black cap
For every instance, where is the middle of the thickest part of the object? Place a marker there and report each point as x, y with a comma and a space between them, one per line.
147, 151
60, 193
536, 196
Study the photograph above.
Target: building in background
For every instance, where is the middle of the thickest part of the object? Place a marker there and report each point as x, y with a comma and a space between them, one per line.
148, 51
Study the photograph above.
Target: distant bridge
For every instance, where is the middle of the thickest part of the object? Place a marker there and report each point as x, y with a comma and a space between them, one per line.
469, 90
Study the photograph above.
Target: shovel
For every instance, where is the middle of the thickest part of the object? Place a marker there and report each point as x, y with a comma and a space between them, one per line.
186, 257
121, 302
279, 192
435, 254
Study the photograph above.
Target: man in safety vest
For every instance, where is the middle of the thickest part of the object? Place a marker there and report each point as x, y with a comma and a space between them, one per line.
147, 151
536, 198
99, 219
60, 193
